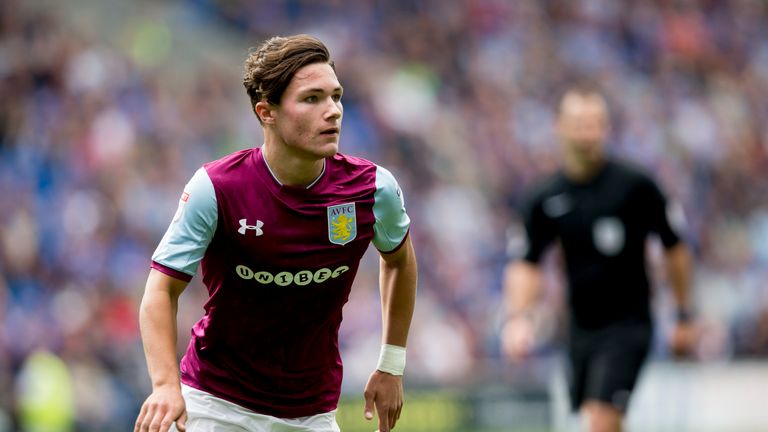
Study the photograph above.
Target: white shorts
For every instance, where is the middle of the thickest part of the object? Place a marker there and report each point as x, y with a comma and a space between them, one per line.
208, 413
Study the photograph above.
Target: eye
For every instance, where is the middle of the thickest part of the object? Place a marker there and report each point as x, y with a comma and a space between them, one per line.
336, 97
310, 99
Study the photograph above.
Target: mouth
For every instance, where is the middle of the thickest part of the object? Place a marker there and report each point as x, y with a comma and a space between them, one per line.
330, 131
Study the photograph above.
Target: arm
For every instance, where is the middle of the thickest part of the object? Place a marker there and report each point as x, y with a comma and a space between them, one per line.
397, 278
668, 221
679, 270
157, 320
180, 251
522, 283
522, 286
679, 267
522, 279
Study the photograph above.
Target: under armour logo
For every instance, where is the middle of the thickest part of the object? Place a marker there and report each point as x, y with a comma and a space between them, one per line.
244, 227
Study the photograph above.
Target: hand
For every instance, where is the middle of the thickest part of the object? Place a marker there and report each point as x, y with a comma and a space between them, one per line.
683, 339
385, 392
163, 407
517, 338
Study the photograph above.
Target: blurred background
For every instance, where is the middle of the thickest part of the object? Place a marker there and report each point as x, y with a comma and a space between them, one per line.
108, 107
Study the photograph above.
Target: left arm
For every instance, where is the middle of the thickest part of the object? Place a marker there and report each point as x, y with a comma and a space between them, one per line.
397, 281
679, 270
668, 220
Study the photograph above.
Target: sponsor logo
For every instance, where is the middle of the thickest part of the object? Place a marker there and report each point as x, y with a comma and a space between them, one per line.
342, 223
285, 278
244, 227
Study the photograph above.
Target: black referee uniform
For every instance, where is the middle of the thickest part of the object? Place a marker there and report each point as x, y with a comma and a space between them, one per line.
602, 226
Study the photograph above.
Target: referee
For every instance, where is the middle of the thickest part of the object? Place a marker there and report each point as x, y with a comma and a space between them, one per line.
601, 212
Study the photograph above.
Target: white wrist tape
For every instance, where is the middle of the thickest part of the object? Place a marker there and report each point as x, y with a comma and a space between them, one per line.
392, 359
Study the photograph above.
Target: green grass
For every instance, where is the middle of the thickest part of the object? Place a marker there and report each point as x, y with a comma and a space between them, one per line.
422, 412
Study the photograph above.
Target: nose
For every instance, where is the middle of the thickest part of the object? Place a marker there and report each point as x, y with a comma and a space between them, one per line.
335, 109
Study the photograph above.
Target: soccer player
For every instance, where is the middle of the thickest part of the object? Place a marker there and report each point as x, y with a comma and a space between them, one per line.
279, 232
600, 211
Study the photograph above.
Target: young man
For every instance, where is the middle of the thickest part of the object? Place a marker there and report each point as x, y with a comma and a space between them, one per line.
279, 232
601, 212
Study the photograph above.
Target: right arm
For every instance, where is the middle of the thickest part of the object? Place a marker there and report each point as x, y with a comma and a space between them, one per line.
157, 320
174, 263
522, 281
522, 285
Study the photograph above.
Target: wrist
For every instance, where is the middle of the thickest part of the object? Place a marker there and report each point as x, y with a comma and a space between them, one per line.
166, 382
392, 360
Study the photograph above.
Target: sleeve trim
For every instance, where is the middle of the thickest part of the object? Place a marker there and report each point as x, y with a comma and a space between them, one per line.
402, 242
170, 272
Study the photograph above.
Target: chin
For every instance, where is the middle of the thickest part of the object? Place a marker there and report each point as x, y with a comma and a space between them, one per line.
329, 150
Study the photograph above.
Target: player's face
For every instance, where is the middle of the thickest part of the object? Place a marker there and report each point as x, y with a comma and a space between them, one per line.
308, 119
583, 128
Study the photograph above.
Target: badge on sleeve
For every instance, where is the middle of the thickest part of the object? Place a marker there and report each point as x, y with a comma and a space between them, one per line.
342, 223
182, 203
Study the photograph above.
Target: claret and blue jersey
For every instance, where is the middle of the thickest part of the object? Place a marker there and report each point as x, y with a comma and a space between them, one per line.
278, 262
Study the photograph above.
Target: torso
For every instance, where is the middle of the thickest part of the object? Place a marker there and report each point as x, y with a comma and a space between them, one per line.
279, 269
602, 226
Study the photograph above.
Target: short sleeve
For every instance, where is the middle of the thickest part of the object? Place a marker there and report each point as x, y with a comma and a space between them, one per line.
666, 218
539, 229
191, 230
392, 221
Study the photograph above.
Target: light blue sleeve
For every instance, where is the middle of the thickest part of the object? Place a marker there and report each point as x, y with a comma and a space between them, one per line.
392, 222
192, 228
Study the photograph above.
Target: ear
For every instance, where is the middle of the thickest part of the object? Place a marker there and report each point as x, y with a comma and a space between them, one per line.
265, 111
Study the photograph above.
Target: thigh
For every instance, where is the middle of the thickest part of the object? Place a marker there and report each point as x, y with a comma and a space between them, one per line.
207, 424
208, 413
615, 365
580, 350
325, 422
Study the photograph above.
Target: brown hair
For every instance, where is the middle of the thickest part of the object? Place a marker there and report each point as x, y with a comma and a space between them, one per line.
270, 68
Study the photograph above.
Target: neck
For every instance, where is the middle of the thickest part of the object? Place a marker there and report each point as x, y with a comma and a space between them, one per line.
289, 169
582, 171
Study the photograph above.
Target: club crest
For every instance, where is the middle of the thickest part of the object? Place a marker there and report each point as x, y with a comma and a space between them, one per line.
342, 223
608, 235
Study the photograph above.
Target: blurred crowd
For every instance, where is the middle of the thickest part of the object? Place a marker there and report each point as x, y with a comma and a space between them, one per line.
456, 98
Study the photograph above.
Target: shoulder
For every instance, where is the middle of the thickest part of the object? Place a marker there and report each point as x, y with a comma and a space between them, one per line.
352, 163
636, 182
237, 160
548, 186
628, 172
231, 167
352, 172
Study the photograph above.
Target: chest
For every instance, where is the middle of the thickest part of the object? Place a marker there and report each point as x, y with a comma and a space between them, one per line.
605, 216
273, 230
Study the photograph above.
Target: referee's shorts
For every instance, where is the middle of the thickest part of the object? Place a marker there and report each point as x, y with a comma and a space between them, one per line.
606, 362
208, 413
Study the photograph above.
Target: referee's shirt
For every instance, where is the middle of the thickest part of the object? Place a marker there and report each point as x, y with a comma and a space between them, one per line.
602, 226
